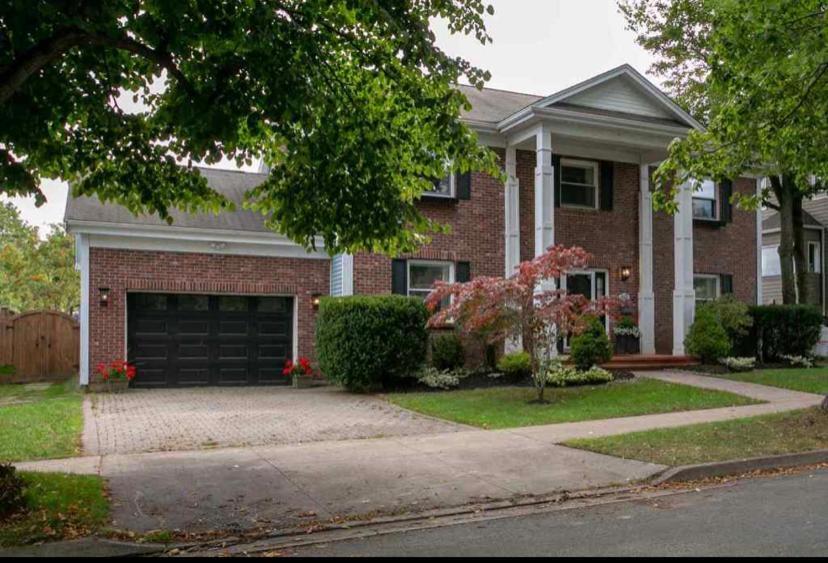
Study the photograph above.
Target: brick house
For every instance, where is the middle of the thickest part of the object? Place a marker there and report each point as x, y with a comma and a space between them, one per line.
222, 300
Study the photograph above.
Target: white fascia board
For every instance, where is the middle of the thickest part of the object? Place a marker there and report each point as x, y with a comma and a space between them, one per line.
184, 239
561, 115
185, 233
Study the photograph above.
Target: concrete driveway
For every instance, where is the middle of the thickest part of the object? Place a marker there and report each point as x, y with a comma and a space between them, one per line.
155, 420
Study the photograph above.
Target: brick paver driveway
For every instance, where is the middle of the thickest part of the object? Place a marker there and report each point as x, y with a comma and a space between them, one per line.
187, 419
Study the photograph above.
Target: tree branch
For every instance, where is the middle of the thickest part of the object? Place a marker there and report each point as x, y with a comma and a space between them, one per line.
15, 74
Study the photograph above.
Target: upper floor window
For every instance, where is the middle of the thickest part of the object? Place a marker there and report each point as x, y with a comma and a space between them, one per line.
422, 275
579, 183
706, 287
704, 201
814, 262
444, 187
771, 265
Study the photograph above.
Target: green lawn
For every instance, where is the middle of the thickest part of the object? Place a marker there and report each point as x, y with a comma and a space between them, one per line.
40, 421
810, 380
60, 506
794, 431
509, 407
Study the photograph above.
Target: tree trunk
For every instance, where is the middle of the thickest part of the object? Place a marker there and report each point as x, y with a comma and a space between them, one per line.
786, 240
792, 248
800, 254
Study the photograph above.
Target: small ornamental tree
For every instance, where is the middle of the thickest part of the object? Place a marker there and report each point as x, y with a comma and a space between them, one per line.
523, 305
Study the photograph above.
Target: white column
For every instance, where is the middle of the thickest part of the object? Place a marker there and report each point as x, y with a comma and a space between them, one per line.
544, 192
512, 212
82, 264
684, 297
544, 203
646, 298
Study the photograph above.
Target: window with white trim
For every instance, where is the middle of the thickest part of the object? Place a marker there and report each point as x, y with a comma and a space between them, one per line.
422, 274
814, 254
579, 183
704, 201
771, 266
707, 287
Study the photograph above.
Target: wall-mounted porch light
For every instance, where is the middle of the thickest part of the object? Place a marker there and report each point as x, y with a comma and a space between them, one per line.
104, 296
315, 299
626, 272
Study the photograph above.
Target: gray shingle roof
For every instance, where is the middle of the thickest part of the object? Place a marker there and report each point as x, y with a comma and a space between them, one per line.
772, 221
230, 183
491, 106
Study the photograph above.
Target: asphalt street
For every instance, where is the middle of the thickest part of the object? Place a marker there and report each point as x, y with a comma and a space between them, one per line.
786, 515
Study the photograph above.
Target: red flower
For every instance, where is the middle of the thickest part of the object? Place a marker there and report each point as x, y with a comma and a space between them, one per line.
288, 369
130, 372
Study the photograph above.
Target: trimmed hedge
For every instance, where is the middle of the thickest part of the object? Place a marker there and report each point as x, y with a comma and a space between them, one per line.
781, 330
366, 343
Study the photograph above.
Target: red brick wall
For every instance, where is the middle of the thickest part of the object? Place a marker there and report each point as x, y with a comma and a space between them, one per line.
476, 236
173, 272
730, 249
727, 249
610, 236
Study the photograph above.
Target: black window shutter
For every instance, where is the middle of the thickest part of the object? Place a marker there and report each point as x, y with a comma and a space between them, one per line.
556, 178
727, 284
462, 272
726, 208
463, 185
606, 185
399, 275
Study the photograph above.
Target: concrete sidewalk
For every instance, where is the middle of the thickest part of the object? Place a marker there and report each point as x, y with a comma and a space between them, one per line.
277, 486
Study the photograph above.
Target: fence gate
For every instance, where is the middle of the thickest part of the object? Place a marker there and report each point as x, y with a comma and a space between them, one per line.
41, 345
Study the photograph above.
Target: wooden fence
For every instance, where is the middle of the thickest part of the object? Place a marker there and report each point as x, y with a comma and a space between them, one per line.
39, 345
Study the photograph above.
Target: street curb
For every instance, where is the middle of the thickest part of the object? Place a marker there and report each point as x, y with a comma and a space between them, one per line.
736, 467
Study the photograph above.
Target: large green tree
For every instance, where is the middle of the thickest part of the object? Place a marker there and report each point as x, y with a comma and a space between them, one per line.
350, 102
756, 73
36, 273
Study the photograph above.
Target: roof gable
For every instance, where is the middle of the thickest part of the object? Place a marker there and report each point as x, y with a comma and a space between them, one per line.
622, 90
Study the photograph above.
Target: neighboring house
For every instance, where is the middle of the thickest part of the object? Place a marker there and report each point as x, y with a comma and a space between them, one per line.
221, 300
815, 219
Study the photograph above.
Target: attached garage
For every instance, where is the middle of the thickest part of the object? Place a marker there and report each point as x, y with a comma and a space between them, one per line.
178, 340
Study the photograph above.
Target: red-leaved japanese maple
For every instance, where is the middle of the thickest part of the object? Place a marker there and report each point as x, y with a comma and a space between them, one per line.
524, 305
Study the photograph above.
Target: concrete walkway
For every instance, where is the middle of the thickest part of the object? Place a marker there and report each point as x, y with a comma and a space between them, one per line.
276, 486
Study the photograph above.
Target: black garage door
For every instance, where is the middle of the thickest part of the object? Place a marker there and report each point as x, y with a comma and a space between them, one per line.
181, 340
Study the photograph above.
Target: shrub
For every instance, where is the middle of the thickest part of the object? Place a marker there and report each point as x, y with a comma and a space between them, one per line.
515, 364
738, 364
798, 361
707, 338
447, 351
591, 347
370, 342
440, 378
11, 491
626, 327
559, 375
733, 315
781, 330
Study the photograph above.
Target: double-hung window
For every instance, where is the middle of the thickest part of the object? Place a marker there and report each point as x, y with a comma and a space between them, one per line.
814, 262
704, 201
579, 183
422, 274
707, 287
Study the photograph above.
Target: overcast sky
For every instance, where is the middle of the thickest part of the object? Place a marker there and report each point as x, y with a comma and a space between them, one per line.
540, 46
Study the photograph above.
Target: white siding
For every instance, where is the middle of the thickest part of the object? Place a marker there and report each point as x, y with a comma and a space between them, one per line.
336, 275
620, 94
